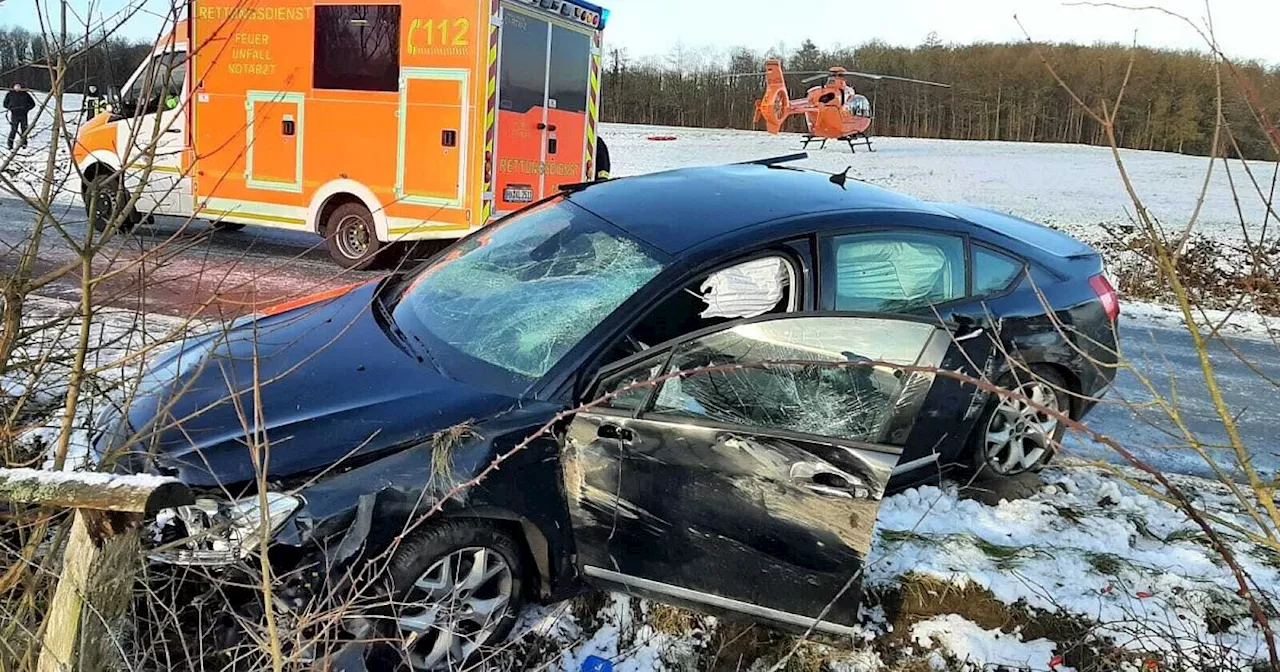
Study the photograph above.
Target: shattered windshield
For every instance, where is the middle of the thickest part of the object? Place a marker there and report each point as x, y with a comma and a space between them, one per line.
529, 288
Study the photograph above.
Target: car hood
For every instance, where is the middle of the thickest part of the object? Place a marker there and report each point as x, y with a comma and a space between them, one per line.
335, 384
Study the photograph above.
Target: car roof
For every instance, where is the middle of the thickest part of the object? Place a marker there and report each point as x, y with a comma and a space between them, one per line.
678, 209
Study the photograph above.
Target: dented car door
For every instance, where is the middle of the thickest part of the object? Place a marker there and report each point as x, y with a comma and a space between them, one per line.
744, 487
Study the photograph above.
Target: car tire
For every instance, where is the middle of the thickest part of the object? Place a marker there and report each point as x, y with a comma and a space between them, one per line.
1011, 437
459, 588
352, 237
105, 189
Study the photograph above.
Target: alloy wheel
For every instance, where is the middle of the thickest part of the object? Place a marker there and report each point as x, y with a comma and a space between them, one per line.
454, 608
1018, 435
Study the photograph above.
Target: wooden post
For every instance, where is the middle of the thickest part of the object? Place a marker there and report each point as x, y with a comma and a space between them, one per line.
101, 556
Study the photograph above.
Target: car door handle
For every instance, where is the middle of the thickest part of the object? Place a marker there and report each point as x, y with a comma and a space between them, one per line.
173, 130
824, 480
542, 126
612, 431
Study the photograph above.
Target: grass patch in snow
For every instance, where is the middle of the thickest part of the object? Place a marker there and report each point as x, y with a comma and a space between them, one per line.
918, 598
1123, 576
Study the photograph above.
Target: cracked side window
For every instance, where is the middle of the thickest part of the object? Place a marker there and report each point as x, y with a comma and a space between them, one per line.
846, 402
525, 292
632, 399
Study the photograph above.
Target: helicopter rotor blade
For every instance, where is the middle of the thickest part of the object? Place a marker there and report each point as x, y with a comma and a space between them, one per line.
874, 76
819, 74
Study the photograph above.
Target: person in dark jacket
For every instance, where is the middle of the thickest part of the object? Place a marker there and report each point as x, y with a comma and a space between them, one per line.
17, 104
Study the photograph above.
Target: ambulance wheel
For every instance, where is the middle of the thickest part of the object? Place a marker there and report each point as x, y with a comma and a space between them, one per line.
100, 196
227, 226
353, 240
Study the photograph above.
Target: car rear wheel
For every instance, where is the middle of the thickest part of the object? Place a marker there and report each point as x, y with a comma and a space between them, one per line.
1014, 436
460, 586
352, 236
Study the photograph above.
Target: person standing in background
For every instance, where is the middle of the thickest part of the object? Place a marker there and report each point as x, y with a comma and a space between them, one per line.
92, 103
18, 104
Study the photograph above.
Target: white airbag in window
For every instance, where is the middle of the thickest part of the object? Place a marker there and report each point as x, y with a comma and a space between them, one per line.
745, 290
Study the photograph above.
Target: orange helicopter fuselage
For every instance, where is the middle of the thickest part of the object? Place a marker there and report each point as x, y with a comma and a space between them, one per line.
832, 110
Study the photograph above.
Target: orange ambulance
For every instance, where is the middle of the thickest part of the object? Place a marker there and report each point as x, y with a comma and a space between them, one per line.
367, 124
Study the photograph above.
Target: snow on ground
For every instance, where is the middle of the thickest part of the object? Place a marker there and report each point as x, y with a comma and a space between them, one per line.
1235, 323
972, 643
119, 343
1089, 545
1090, 548
26, 168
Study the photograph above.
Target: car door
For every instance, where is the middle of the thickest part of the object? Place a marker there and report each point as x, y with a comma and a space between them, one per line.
925, 272
746, 487
153, 136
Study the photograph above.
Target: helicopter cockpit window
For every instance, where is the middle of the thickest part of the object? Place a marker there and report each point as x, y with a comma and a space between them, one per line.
860, 106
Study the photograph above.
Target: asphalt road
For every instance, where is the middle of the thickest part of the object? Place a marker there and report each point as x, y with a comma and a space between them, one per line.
226, 273
188, 268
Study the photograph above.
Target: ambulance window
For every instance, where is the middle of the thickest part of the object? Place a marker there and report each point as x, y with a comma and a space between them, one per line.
357, 47
570, 58
159, 85
524, 63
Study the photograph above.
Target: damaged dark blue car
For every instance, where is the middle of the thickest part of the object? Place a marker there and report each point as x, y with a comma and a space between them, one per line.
330, 429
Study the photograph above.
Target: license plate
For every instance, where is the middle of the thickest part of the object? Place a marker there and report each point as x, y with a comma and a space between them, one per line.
518, 193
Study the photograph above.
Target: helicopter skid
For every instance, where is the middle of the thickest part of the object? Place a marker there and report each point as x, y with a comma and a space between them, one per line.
851, 139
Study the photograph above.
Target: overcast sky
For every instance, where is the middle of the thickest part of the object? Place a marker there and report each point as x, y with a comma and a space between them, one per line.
1245, 28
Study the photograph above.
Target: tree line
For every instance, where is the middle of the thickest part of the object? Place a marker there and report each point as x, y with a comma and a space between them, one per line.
998, 92
103, 60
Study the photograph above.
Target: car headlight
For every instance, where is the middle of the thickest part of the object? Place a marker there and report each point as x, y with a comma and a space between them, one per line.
218, 532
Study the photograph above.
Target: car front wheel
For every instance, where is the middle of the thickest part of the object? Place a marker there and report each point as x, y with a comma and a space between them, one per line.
103, 199
1014, 436
460, 587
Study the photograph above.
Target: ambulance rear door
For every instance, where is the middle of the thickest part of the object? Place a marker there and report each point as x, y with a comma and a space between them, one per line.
548, 88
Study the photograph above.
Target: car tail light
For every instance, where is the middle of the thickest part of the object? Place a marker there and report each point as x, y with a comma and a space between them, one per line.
1107, 295
488, 166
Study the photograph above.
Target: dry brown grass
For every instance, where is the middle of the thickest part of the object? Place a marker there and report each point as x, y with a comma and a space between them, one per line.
671, 620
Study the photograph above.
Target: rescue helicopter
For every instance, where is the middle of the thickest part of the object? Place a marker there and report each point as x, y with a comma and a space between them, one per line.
832, 111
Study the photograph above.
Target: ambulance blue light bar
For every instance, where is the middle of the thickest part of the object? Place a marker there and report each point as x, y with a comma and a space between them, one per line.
573, 10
